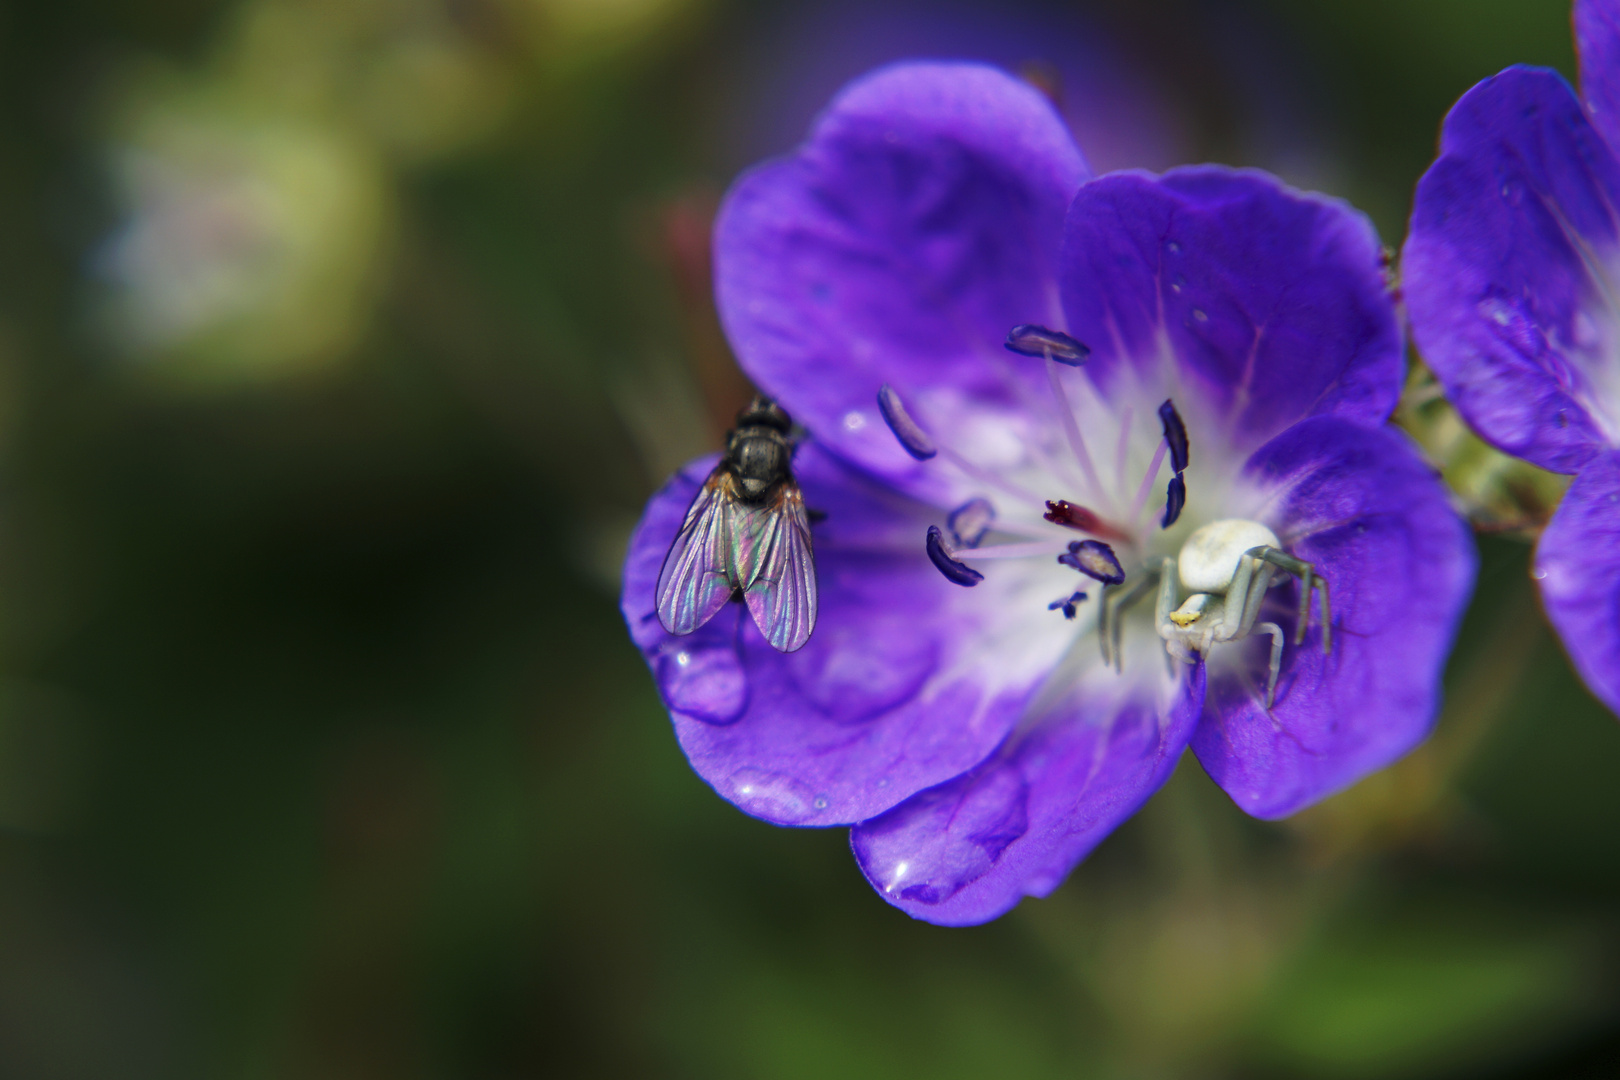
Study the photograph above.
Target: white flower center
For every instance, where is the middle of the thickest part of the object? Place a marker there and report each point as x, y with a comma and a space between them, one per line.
1088, 524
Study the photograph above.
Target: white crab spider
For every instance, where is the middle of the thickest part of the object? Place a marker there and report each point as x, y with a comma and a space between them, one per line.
1227, 566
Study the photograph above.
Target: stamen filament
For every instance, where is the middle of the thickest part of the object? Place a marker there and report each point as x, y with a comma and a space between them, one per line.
1071, 431
1146, 489
1010, 551
988, 476
917, 442
1125, 419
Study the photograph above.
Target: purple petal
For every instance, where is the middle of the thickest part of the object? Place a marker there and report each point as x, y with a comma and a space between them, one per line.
907, 680
971, 849
1597, 43
1509, 269
1578, 565
918, 224
1271, 301
1360, 505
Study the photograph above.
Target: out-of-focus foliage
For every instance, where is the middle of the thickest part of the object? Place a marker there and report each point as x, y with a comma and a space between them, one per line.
322, 749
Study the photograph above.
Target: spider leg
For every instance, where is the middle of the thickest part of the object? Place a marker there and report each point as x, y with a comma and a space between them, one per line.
1308, 579
1256, 595
1116, 626
1231, 621
1167, 593
1103, 596
1166, 604
1327, 617
1277, 636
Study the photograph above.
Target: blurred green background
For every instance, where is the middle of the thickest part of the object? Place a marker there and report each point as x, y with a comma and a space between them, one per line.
340, 343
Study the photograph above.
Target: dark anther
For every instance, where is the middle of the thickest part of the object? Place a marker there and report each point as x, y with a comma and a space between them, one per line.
1070, 606
1175, 435
1175, 497
956, 573
1032, 340
969, 522
915, 441
1094, 559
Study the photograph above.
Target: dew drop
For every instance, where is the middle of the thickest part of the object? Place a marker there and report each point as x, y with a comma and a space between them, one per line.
1173, 247
707, 684
1200, 314
854, 420
771, 796
1514, 326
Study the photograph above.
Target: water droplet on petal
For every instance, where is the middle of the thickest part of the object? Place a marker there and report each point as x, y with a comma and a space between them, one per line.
1200, 314
708, 684
932, 846
1514, 327
771, 796
854, 420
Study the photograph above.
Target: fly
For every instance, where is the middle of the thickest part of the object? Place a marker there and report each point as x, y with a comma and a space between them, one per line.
746, 537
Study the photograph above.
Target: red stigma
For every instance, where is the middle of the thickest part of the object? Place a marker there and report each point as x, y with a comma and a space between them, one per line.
1063, 512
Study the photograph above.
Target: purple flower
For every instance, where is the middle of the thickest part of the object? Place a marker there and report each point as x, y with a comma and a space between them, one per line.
982, 737
1511, 269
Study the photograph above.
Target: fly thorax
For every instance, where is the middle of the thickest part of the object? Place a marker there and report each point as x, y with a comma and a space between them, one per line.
758, 453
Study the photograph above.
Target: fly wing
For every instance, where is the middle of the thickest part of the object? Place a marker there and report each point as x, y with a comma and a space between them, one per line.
700, 571
781, 589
